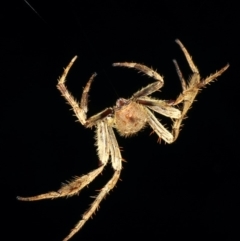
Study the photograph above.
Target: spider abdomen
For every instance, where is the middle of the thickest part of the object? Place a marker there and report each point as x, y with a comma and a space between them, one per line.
130, 119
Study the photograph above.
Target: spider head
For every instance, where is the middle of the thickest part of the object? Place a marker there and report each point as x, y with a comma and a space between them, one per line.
121, 102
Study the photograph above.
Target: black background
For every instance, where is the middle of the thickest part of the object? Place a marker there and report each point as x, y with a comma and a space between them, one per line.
187, 190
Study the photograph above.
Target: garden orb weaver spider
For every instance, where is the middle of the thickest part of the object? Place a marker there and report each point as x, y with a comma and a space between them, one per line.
128, 116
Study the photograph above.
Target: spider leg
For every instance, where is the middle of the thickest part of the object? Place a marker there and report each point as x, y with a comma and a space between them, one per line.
69, 189
117, 166
160, 106
94, 206
146, 70
191, 89
80, 111
98, 117
182, 80
213, 76
73, 187
116, 157
188, 57
103, 141
188, 96
160, 130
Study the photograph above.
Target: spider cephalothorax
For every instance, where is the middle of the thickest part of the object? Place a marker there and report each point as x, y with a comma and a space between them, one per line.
128, 116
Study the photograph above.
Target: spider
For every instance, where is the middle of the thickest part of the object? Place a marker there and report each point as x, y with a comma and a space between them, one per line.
128, 117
